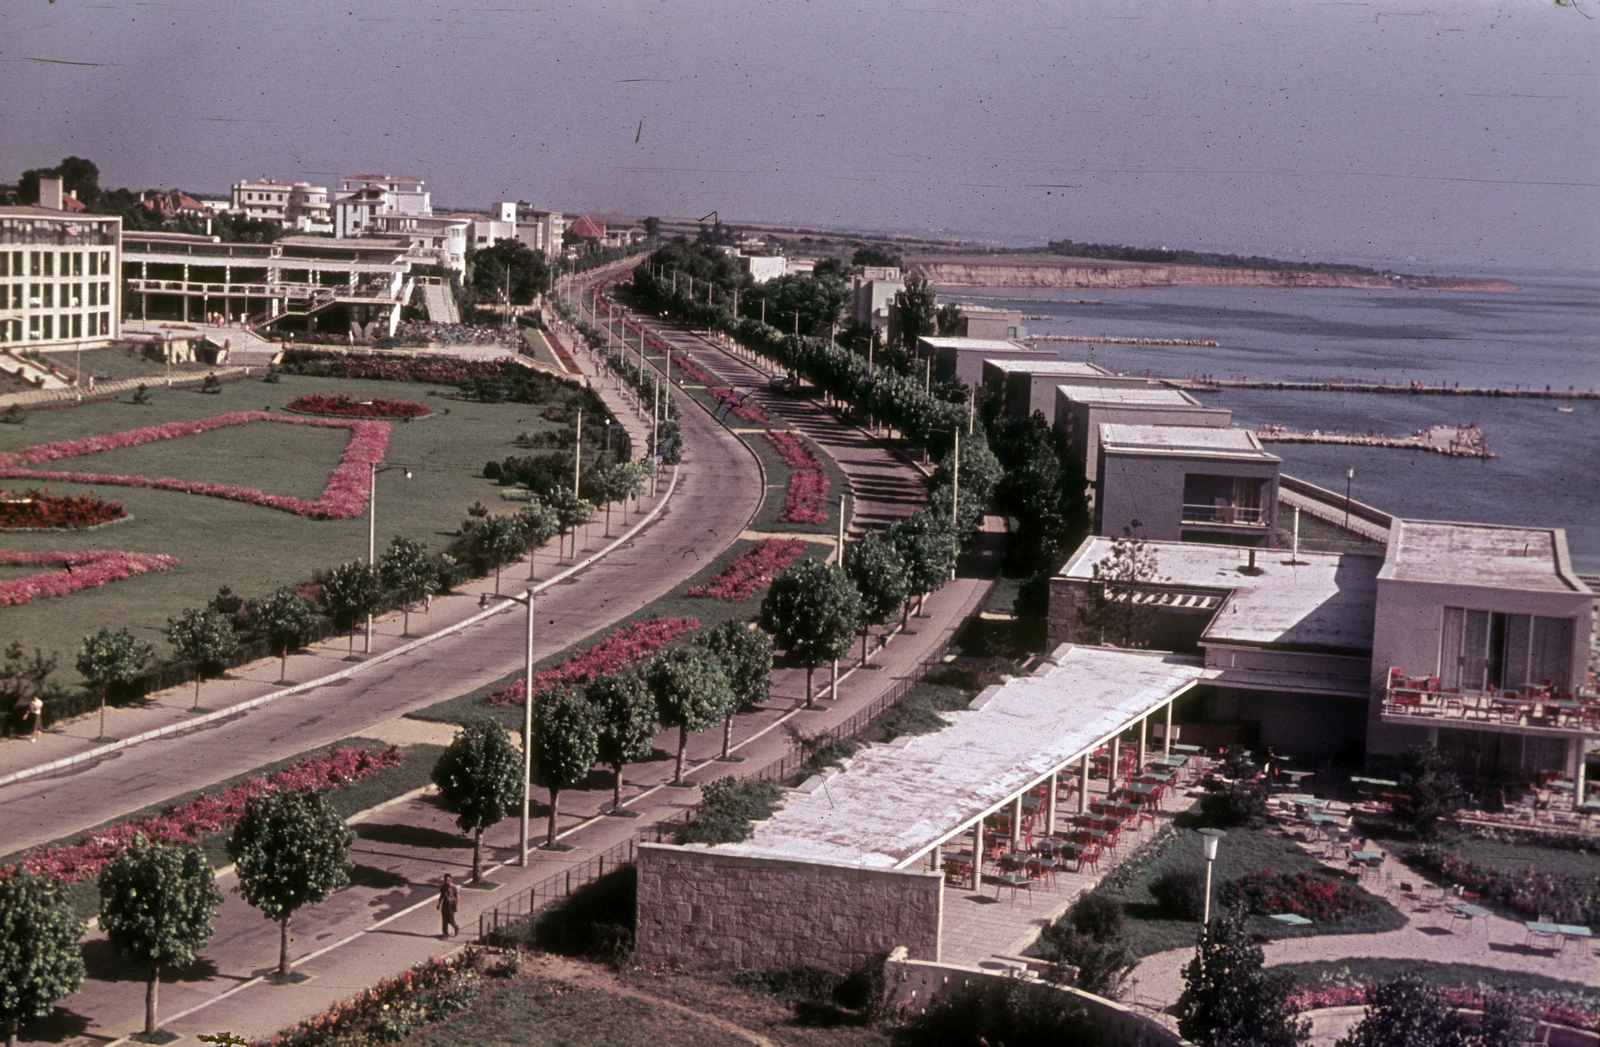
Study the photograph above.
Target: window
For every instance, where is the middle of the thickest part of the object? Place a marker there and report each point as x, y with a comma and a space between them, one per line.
49, 291
16, 263
16, 296
105, 293
49, 263
33, 263
33, 328
77, 325
5, 263
77, 296
33, 295
94, 264
105, 263
1482, 649
77, 264
49, 327
105, 323
94, 294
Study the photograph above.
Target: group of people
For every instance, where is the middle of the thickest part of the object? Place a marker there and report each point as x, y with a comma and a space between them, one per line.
458, 334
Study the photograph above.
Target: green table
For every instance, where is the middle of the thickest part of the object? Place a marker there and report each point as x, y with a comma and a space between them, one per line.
1291, 918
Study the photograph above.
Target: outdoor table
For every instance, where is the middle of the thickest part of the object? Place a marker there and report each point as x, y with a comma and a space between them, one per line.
1323, 819
1551, 930
1297, 776
1140, 789
1304, 799
1573, 930
1291, 918
1472, 910
1562, 786
1370, 857
1385, 782
1186, 748
1030, 803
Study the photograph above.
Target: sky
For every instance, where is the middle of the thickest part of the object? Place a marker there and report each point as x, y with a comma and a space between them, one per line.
1461, 135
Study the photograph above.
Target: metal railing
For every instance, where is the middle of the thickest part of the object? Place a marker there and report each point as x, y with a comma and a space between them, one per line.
530, 900
1239, 515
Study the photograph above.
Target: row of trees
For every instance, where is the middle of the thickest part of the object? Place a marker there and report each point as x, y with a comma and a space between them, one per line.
158, 903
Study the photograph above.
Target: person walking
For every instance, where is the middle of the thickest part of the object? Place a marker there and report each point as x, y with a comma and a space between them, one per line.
449, 901
36, 710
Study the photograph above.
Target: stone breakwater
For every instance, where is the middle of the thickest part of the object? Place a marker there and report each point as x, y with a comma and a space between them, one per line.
1108, 340
1209, 385
998, 274
1457, 441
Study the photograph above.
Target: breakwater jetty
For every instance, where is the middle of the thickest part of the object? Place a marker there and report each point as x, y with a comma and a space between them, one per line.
1212, 385
1209, 342
1457, 441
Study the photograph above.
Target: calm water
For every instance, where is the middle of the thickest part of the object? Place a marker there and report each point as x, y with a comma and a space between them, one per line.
1548, 333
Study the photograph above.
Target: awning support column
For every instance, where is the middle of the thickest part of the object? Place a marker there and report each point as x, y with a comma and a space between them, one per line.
1166, 739
977, 854
1144, 731
1114, 766
1083, 786
1050, 807
1016, 822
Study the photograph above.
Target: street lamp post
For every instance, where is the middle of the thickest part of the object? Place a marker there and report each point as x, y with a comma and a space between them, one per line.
526, 599
1208, 843
1349, 475
372, 525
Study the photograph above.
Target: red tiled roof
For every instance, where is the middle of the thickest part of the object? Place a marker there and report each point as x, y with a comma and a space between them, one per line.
586, 228
71, 203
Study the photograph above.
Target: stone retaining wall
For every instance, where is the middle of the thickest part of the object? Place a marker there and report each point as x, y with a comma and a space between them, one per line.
696, 906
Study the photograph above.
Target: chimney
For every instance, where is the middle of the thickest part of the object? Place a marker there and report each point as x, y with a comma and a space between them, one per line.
50, 193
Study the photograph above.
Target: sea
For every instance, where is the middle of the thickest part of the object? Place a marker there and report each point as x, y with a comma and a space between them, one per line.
1546, 333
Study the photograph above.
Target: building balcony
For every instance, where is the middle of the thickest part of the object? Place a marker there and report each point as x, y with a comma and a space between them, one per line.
138, 286
1227, 515
1422, 702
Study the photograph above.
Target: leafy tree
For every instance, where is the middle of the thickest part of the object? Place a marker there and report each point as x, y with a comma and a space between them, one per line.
407, 568
928, 547
691, 693
628, 723
157, 902
878, 571
1033, 488
570, 511
205, 638
112, 659
802, 300
566, 743
611, 484
877, 257
1228, 999
286, 618
746, 656
480, 781
1408, 1013
652, 227
980, 474
290, 849
40, 960
949, 320
1430, 792
75, 173
1509, 1020
915, 312
351, 593
1108, 613
488, 269
499, 540
811, 611
1090, 945
539, 523
22, 677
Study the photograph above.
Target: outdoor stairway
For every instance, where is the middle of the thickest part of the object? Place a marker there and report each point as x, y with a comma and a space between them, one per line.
441, 304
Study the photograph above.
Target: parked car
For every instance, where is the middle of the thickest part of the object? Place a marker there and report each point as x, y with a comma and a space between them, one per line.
784, 383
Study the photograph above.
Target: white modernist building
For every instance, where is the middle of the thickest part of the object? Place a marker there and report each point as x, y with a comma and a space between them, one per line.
58, 275
362, 198
1185, 483
300, 206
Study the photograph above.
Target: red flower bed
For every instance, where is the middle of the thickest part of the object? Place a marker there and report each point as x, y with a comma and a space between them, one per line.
90, 569
344, 496
206, 813
629, 644
1567, 898
748, 411
795, 451
692, 370
67, 512
1318, 898
751, 570
1467, 997
348, 407
349, 1021
806, 501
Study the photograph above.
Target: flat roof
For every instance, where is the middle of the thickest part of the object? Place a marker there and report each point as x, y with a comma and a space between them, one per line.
995, 345
1320, 602
890, 804
47, 213
1051, 367
1211, 441
1154, 396
1494, 555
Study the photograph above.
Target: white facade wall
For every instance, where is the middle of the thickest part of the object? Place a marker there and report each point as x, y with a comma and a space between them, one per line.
1143, 493
60, 279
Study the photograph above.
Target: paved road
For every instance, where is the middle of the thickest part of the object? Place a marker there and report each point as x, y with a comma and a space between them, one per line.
717, 494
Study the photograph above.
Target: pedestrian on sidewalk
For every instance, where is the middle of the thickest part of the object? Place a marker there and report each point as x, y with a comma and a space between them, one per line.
36, 710
449, 901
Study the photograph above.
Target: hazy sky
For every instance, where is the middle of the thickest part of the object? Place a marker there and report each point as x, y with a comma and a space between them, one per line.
1455, 133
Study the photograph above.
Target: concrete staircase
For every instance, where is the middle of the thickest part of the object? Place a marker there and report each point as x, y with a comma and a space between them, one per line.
441, 303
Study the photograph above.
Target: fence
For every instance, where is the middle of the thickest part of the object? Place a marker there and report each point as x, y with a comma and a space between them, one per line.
530, 900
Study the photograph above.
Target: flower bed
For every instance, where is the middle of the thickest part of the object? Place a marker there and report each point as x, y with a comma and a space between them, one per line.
1567, 898
1317, 898
806, 501
748, 411
796, 453
693, 370
206, 813
1556, 1011
751, 570
41, 510
629, 644
82, 570
349, 407
392, 1009
344, 496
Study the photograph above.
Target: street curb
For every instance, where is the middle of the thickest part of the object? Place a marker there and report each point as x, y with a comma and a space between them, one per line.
99, 752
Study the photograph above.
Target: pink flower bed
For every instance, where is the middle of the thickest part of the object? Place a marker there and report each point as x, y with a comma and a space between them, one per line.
794, 451
806, 501
692, 370
84, 570
344, 496
748, 411
350, 1021
629, 644
751, 570
1467, 997
206, 813
1316, 897
348, 407
41, 509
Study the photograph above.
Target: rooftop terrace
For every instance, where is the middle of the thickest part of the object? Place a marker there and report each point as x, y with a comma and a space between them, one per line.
1160, 396
1448, 553
1211, 441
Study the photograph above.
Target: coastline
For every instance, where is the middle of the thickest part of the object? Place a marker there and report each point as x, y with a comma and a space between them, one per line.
1040, 274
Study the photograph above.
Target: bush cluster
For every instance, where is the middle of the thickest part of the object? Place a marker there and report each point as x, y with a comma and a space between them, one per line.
730, 809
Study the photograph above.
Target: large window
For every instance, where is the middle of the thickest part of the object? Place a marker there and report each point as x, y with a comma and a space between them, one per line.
1482, 649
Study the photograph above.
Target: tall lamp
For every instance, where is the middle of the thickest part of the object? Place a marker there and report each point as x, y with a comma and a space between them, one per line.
525, 599
372, 525
1208, 844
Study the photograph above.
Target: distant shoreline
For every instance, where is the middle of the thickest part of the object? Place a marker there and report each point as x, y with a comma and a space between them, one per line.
1041, 273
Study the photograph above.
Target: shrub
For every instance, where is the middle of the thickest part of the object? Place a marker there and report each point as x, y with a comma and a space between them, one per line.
595, 922
1234, 805
623, 647
751, 570
729, 809
349, 407
1319, 898
1003, 1011
1569, 898
1099, 916
1180, 894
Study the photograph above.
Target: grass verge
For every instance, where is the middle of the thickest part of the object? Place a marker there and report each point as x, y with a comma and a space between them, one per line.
1358, 970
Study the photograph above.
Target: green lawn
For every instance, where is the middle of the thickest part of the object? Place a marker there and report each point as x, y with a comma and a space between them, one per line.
123, 363
1241, 851
1357, 970
1519, 855
250, 548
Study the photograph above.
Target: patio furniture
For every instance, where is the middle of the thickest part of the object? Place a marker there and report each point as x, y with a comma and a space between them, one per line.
958, 871
1573, 932
1015, 881
1293, 919
1543, 927
1468, 912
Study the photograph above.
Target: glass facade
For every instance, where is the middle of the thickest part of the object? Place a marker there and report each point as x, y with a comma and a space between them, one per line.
45, 300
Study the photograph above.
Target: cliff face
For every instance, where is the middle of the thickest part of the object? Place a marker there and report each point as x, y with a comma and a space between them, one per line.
1092, 276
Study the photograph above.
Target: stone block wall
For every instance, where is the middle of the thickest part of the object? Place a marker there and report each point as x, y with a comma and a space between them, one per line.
696, 906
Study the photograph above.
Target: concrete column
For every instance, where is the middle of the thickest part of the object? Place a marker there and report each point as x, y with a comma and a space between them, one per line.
1166, 739
1575, 768
1111, 768
936, 858
1050, 807
1144, 731
1016, 822
1083, 786
977, 854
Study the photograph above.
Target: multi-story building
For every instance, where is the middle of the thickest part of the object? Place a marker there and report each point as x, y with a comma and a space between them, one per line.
543, 231
300, 206
962, 358
1082, 408
58, 275
438, 239
872, 295
364, 197
297, 283
500, 225
980, 321
1026, 386
1185, 483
